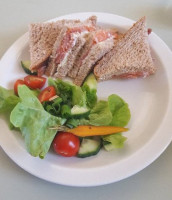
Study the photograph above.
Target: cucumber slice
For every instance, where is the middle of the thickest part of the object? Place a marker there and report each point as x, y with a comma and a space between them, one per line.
108, 146
89, 147
26, 67
78, 111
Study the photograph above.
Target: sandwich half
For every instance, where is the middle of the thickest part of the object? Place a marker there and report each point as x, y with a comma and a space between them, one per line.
130, 56
68, 44
97, 45
42, 37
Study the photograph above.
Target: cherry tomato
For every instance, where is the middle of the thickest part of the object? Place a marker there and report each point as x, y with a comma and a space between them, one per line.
47, 93
16, 84
66, 144
34, 82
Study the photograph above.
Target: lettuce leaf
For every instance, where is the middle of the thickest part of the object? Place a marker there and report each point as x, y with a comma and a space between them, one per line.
53, 107
52, 82
120, 117
66, 111
120, 111
113, 141
71, 94
72, 123
114, 112
78, 96
100, 115
8, 100
34, 122
28, 98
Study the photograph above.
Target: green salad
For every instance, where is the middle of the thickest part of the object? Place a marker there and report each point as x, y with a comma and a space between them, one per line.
45, 120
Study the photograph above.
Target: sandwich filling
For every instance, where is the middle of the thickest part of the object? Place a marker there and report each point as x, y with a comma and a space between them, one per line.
69, 41
101, 42
130, 58
98, 37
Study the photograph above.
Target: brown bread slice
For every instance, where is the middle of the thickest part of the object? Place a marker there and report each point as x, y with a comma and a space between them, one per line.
42, 37
61, 69
77, 63
87, 46
130, 57
51, 68
67, 64
95, 53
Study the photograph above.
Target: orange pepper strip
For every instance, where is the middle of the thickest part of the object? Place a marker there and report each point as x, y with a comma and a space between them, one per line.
85, 131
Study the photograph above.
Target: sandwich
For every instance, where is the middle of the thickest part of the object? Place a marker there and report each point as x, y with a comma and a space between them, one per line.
97, 45
68, 44
42, 37
130, 56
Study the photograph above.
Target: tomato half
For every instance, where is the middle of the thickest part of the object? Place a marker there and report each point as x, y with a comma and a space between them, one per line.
16, 84
47, 93
34, 82
66, 144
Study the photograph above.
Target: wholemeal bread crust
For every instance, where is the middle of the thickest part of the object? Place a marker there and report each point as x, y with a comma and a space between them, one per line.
52, 66
42, 37
61, 70
88, 45
78, 60
131, 55
41, 43
95, 54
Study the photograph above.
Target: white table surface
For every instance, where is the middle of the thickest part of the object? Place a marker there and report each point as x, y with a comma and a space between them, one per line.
152, 183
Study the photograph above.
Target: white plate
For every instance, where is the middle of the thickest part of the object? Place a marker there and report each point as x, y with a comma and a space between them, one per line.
150, 131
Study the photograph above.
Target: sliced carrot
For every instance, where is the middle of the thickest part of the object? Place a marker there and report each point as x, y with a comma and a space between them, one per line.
85, 131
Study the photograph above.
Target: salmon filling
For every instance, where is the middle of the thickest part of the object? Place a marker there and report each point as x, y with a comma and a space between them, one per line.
99, 36
68, 41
